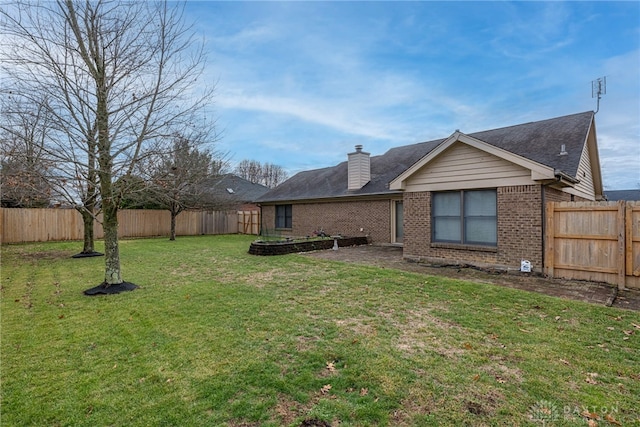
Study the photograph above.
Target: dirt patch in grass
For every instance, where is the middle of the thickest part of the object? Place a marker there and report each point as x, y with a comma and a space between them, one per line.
422, 331
288, 410
391, 257
46, 255
483, 404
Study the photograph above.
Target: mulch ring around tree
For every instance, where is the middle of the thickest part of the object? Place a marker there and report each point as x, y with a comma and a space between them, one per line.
104, 289
87, 254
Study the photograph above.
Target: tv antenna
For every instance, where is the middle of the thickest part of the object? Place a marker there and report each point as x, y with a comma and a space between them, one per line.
598, 88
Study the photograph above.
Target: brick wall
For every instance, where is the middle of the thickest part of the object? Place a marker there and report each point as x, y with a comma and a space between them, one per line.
520, 225
519, 231
555, 195
345, 218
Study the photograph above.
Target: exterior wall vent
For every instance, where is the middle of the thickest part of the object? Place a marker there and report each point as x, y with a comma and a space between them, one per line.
359, 169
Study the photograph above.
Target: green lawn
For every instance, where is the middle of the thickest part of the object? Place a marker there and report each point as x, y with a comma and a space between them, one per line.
217, 337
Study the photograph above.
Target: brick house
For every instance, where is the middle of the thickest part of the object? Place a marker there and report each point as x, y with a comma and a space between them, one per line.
470, 198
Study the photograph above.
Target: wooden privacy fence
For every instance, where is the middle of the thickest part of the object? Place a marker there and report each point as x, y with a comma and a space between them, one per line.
40, 225
596, 241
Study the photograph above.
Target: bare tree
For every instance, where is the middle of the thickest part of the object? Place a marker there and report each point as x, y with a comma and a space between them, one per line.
267, 174
23, 165
177, 178
121, 78
46, 169
273, 175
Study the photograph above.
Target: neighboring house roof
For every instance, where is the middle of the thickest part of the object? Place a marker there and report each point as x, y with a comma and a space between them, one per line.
231, 187
629, 195
538, 142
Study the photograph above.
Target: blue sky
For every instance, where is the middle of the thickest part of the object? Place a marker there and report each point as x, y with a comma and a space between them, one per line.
300, 83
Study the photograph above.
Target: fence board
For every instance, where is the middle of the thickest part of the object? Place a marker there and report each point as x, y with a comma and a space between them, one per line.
633, 245
593, 241
40, 225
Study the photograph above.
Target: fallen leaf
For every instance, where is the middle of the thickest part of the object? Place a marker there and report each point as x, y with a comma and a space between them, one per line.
501, 380
628, 332
476, 377
590, 415
331, 367
590, 380
557, 318
592, 423
468, 346
636, 326
612, 420
364, 391
61, 316
611, 328
566, 362
325, 388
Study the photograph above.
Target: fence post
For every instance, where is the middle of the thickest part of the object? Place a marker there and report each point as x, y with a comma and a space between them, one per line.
549, 251
629, 239
622, 234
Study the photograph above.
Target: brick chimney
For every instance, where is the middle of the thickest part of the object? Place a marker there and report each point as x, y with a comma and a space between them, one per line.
359, 166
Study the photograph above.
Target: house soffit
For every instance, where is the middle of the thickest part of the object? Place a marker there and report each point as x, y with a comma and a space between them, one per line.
538, 171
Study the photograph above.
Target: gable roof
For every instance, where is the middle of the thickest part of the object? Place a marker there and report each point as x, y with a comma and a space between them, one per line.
629, 195
532, 143
232, 188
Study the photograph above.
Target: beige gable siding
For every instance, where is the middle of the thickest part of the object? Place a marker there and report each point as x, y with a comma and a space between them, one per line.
462, 166
585, 187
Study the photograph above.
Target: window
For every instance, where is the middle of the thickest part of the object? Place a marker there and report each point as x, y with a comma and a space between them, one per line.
283, 216
465, 217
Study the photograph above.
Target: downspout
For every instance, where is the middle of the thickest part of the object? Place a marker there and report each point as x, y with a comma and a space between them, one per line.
544, 222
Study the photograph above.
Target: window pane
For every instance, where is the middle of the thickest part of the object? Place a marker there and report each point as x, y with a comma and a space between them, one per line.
480, 225
480, 203
283, 216
446, 204
446, 217
399, 222
287, 216
447, 229
481, 230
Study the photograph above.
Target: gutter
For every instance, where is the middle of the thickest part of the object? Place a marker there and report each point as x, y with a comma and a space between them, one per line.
565, 180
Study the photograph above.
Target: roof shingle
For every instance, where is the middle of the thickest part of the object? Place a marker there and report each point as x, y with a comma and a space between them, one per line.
539, 141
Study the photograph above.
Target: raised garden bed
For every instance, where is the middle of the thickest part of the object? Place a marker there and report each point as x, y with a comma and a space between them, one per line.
290, 247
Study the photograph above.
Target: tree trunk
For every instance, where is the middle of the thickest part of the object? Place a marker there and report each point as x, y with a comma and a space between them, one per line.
174, 214
112, 275
87, 221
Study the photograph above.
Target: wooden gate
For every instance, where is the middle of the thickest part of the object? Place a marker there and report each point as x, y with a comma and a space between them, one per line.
249, 222
595, 241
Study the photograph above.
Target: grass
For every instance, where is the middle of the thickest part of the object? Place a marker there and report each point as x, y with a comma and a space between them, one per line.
217, 337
